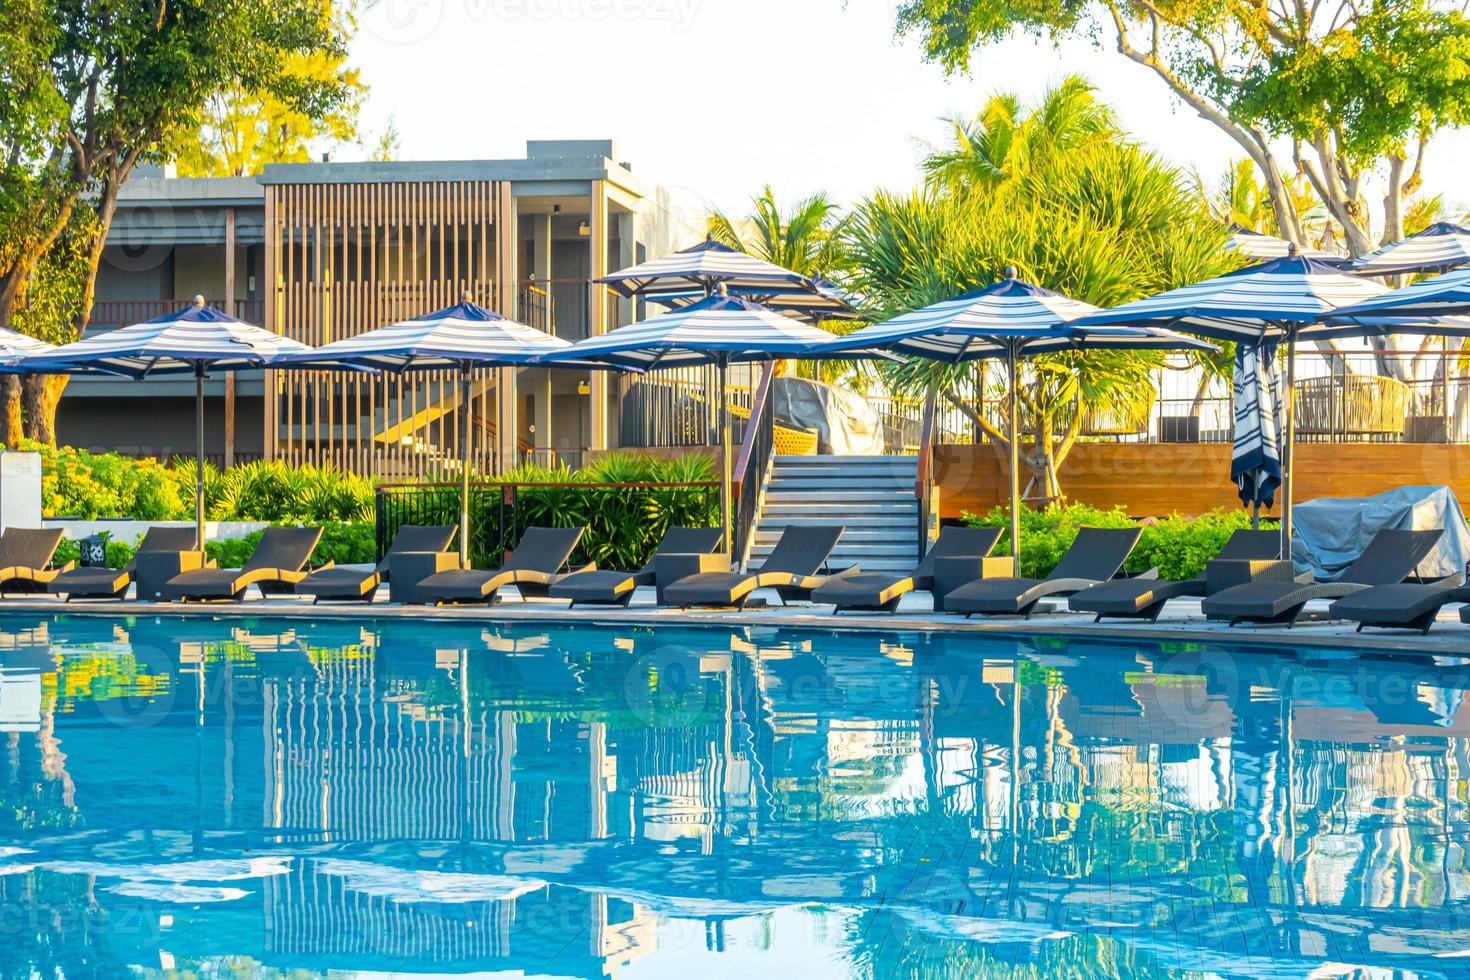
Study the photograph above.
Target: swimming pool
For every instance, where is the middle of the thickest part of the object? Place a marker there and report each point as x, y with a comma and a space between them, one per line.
256, 795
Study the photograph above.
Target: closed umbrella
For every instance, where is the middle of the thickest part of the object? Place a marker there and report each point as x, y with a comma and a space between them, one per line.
1440, 247
195, 340
1277, 300
1255, 458
1010, 319
458, 338
719, 330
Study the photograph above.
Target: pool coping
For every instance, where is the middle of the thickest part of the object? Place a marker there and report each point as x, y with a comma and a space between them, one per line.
1069, 626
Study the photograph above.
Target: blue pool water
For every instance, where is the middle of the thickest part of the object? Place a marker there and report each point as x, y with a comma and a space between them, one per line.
262, 796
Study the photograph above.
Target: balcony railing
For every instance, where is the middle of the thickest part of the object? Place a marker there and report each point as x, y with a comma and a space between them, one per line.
110, 314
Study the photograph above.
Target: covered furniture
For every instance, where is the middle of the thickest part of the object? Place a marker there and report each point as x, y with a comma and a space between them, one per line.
113, 583
360, 585
533, 567
1144, 597
1096, 555
25, 557
275, 567
614, 588
794, 568
878, 592
1390, 558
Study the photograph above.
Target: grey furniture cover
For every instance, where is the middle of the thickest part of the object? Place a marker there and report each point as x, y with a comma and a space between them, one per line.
1331, 532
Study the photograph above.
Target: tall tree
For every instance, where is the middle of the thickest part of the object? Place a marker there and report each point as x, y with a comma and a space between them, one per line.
1340, 91
1101, 220
88, 88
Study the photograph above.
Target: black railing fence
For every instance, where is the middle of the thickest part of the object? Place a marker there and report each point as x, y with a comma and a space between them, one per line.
753, 466
624, 521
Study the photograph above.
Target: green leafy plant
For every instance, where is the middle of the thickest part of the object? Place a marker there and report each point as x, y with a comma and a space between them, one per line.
1177, 546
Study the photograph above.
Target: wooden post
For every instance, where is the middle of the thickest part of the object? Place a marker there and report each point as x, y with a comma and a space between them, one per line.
597, 309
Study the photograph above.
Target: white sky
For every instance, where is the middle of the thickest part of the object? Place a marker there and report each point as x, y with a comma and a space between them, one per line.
843, 106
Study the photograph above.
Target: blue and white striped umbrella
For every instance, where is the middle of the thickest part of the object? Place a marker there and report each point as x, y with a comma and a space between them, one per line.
1438, 305
1255, 460
719, 330
195, 340
459, 337
1279, 298
1010, 319
1260, 247
16, 347
990, 322
814, 303
1440, 247
702, 268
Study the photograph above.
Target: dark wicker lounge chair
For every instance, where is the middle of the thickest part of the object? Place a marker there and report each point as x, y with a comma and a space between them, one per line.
533, 567
1390, 558
1144, 597
612, 588
25, 554
1401, 605
793, 569
360, 585
1095, 556
879, 592
275, 567
113, 583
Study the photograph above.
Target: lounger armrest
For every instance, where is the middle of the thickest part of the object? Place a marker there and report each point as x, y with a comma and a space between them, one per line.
58, 569
852, 569
590, 566
320, 568
1151, 575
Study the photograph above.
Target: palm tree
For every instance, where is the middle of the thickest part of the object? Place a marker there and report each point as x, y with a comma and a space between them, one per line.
1100, 219
1004, 141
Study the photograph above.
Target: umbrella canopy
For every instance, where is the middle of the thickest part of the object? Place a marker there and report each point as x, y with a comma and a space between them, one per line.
1440, 247
1010, 319
719, 330
702, 268
447, 339
195, 340
1255, 460
458, 338
1259, 246
1435, 304
16, 347
990, 322
815, 303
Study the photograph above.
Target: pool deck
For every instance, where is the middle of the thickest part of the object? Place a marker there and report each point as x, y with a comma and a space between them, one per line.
1181, 622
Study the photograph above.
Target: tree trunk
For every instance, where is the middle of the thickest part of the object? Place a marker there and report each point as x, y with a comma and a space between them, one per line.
14, 419
41, 393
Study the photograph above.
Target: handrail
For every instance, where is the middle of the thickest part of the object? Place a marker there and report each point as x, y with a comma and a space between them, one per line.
380, 488
757, 449
923, 482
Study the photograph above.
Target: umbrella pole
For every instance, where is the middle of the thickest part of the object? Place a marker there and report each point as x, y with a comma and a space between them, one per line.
725, 460
1013, 430
464, 467
1288, 482
199, 456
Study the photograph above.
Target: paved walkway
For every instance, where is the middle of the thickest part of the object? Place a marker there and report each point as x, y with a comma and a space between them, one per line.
1181, 621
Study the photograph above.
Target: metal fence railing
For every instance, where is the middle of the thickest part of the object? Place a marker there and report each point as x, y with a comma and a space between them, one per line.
624, 521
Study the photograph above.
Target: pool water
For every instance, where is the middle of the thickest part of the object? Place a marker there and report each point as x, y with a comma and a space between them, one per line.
266, 796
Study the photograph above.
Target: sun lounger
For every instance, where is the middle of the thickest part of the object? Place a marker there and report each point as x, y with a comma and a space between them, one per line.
613, 588
25, 554
1144, 597
276, 566
1401, 605
880, 592
533, 567
360, 585
793, 569
113, 583
1390, 558
1095, 556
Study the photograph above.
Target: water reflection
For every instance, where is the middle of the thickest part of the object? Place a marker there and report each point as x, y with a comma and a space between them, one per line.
259, 795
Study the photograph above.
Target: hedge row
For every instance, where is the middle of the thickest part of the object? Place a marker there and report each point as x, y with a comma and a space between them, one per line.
1177, 546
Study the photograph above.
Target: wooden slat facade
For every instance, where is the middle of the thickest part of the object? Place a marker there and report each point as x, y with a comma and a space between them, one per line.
344, 258
1152, 480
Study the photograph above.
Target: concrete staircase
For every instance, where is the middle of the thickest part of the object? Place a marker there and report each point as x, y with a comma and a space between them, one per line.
873, 496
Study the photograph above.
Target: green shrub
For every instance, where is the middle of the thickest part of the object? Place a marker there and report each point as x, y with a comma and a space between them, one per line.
342, 542
1177, 546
